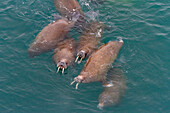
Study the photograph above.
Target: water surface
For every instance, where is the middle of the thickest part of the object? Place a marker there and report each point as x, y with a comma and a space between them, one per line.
31, 85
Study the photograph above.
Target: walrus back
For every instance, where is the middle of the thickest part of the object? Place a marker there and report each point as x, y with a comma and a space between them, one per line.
100, 61
48, 38
65, 7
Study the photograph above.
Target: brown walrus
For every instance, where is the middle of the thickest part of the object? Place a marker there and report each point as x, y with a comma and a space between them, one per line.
50, 35
68, 8
89, 40
64, 54
71, 10
112, 95
98, 63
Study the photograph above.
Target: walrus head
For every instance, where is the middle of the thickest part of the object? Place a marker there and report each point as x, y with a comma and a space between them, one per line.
79, 79
62, 64
81, 55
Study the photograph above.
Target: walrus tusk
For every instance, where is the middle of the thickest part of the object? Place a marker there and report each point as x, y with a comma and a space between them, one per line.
77, 58
77, 85
63, 71
58, 69
72, 82
80, 61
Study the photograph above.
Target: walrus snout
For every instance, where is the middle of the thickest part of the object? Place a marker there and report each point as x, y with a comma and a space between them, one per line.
78, 79
62, 65
80, 55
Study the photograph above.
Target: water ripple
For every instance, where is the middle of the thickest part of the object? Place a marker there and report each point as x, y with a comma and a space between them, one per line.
32, 85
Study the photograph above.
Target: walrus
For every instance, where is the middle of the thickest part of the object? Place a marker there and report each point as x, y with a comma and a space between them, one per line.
98, 63
71, 10
50, 35
68, 8
112, 94
64, 54
89, 40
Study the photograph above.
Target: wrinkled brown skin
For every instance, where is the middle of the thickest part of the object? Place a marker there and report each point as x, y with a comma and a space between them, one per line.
88, 42
67, 7
112, 95
64, 53
49, 37
71, 10
99, 62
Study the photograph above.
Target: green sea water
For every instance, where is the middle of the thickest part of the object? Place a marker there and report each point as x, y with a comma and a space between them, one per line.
32, 85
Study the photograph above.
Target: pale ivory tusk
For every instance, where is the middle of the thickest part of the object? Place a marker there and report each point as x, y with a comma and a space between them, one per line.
63, 71
77, 85
72, 83
77, 58
80, 61
58, 69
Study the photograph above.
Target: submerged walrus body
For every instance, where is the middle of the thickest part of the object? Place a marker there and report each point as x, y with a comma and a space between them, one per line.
99, 62
64, 54
48, 38
112, 95
88, 42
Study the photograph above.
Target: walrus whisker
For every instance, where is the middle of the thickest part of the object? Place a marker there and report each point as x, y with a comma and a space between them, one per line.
72, 82
80, 61
58, 69
63, 71
77, 85
77, 58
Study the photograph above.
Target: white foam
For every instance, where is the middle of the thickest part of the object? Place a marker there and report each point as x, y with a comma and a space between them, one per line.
120, 40
109, 85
